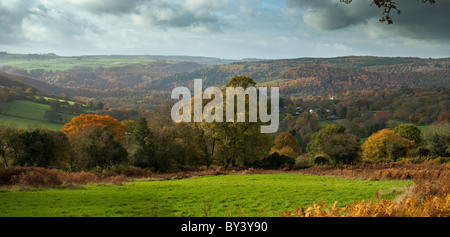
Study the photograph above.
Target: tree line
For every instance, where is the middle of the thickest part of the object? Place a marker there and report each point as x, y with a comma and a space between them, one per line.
155, 142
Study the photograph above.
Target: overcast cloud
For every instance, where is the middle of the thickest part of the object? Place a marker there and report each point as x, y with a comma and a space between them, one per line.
223, 28
416, 20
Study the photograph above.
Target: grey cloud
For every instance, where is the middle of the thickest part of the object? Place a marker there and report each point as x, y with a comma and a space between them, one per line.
332, 14
162, 14
424, 21
57, 23
24, 21
109, 6
11, 17
416, 20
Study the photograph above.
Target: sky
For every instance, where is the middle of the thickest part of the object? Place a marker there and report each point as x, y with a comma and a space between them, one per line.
229, 29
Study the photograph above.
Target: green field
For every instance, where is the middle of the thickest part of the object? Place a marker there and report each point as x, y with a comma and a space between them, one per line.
424, 128
24, 113
225, 195
395, 122
50, 98
64, 63
323, 123
27, 123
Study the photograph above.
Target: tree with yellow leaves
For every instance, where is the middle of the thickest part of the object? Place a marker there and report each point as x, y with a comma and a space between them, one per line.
285, 144
83, 121
380, 146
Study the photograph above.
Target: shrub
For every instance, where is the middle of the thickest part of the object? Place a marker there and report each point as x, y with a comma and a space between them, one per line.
317, 139
320, 160
23, 175
96, 148
78, 178
37, 178
303, 161
275, 161
7, 174
442, 160
410, 132
375, 149
439, 145
423, 151
135, 172
341, 148
285, 144
397, 149
114, 180
41, 177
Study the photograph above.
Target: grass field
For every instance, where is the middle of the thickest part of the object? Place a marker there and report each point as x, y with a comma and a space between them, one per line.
65, 63
424, 128
24, 113
28, 123
395, 122
50, 98
323, 123
225, 195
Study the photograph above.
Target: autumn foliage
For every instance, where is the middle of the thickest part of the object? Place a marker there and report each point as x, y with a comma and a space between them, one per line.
83, 121
285, 144
375, 149
430, 196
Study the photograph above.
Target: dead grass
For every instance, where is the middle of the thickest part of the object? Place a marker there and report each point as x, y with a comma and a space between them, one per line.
430, 196
41, 177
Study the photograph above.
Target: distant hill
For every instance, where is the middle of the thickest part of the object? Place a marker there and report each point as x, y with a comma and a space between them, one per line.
101, 74
24, 82
175, 58
52, 62
300, 77
308, 77
8, 80
135, 98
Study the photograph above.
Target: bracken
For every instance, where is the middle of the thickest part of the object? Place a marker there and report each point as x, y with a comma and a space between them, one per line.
430, 197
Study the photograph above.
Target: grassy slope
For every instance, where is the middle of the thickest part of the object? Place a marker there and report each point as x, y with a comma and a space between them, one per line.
23, 114
226, 195
323, 123
28, 123
268, 83
62, 64
50, 98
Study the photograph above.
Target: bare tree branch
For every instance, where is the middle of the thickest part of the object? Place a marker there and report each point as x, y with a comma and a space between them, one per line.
387, 6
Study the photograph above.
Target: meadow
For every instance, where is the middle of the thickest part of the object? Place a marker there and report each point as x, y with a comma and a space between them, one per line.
53, 99
223, 195
65, 63
24, 114
23, 123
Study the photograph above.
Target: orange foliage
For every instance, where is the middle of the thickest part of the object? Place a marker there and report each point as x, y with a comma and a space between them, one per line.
83, 121
444, 116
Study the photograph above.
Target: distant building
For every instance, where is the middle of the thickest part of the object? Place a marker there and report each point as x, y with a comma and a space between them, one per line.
334, 117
